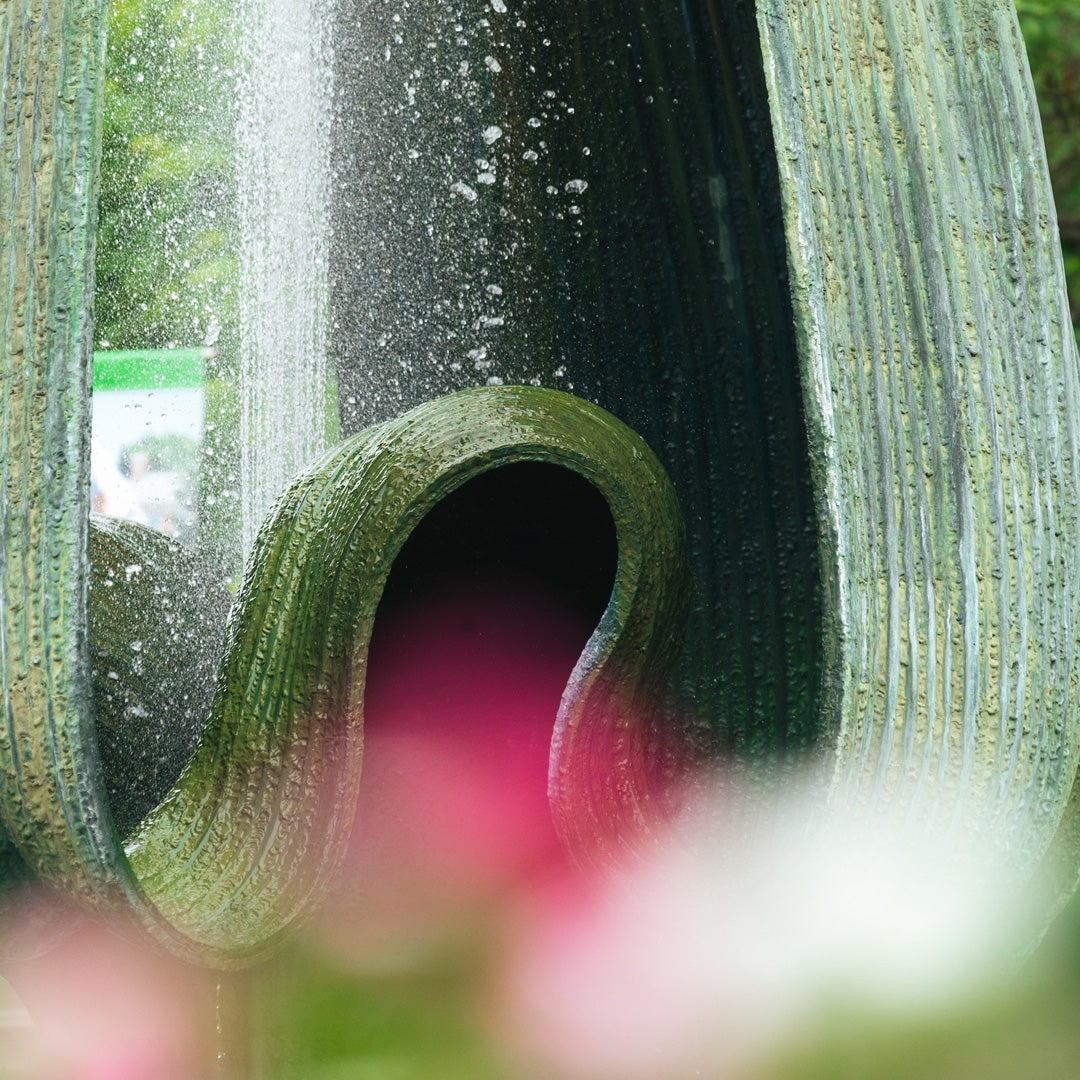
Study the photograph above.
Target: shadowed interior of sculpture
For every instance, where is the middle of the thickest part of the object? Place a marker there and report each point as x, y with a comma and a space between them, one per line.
486, 611
537, 522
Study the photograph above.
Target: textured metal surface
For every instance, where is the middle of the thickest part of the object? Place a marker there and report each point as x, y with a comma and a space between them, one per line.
52, 61
254, 826
941, 384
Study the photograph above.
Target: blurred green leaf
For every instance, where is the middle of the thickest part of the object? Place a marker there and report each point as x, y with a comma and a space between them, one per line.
1052, 33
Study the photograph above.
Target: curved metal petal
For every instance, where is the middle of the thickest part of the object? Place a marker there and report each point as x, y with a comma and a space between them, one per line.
941, 386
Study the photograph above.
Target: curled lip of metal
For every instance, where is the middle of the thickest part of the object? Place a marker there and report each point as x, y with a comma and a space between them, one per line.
256, 825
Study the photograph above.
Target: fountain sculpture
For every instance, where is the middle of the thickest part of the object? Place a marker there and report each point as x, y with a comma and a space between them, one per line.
847, 340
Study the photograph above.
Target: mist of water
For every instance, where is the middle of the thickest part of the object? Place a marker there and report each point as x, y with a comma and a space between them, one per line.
283, 169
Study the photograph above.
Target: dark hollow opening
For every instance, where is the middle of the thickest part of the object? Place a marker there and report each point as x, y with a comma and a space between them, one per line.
486, 610
537, 521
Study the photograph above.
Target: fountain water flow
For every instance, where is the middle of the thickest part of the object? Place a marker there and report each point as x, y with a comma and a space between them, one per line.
284, 162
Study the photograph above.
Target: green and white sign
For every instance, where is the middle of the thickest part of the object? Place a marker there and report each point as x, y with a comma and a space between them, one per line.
148, 416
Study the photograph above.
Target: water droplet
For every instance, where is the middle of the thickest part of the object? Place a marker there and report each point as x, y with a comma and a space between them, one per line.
492, 64
491, 134
576, 187
498, 6
466, 192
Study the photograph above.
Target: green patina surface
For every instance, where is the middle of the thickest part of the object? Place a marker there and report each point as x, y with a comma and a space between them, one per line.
942, 391
940, 388
252, 831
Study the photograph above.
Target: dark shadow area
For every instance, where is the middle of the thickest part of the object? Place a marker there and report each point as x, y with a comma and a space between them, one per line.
538, 523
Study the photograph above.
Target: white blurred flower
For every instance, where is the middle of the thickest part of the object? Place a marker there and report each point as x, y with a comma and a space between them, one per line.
736, 938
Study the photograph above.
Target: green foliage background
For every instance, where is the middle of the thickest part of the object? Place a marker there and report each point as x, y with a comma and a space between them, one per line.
1052, 33
167, 239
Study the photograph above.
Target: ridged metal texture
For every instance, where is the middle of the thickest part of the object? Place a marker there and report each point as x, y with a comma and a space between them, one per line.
52, 62
941, 385
253, 830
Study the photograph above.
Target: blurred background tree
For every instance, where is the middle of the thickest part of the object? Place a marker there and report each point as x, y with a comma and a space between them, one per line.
167, 259
1052, 33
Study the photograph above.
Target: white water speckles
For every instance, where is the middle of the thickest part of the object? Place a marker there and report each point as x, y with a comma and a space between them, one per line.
492, 134
493, 65
463, 189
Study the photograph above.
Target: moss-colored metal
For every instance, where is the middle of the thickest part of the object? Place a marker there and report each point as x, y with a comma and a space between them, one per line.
254, 828
157, 629
942, 390
50, 118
